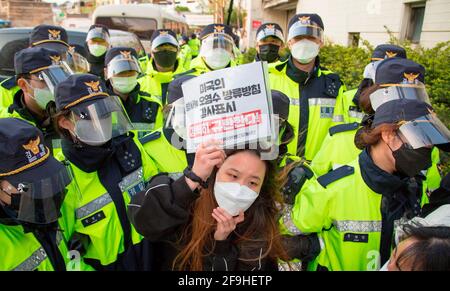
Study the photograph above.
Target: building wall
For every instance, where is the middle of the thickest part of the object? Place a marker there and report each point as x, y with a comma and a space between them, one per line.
368, 17
255, 11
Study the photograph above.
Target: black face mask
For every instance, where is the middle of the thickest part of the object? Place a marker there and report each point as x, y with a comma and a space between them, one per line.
12, 210
410, 162
268, 52
165, 59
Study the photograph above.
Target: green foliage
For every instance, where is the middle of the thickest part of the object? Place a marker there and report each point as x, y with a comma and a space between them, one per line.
181, 9
248, 56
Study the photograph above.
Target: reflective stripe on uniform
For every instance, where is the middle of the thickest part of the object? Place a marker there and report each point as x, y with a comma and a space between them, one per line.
288, 222
358, 225
56, 143
131, 179
33, 261
338, 118
294, 101
143, 126
93, 206
322, 101
355, 114
175, 176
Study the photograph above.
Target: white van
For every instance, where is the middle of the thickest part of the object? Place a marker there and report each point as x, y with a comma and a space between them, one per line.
141, 19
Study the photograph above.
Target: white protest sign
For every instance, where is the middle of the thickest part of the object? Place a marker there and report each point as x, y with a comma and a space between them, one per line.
232, 104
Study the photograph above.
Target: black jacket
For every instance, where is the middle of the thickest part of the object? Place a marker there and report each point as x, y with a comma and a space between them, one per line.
163, 211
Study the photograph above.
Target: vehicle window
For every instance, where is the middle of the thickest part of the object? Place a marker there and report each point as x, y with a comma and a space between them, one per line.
128, 40
142, 27
10, 43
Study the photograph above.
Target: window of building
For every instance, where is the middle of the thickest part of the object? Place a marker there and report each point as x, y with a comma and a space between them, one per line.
353, 39
415, 13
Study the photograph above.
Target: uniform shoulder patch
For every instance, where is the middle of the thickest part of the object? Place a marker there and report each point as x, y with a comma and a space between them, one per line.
335, 175
332, 84
9, 83
149, 137
343, 128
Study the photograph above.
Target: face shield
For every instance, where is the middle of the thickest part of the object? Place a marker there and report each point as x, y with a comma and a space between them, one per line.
370, 69
97, 34
100, 121
309, 29
217, 50
44, 82
39, 201
176, 118
164, 39
266, 33
399, 91
425, 131
77, 63
122, 63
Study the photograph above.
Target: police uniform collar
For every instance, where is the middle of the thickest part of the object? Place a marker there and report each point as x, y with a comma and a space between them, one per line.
91, 158
9, 83
19, 106
298, 75
377, 179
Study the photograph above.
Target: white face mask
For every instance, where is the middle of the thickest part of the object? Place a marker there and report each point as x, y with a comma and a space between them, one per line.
305, 51
385, 266
217, 59
234, 197
124, 85
42, 97
97, 50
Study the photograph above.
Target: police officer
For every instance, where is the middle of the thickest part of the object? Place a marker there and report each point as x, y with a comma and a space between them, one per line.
163, 65
217, 51
349, 111
185, 52
97, 44
77, 59
194, 43
38, 71
109, 167
46, 36
390, 83
121, 72
34, 190
313, 91
354, 207
269, 41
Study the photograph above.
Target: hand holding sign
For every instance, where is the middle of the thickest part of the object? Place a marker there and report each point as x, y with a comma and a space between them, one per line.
232, 105
208, 156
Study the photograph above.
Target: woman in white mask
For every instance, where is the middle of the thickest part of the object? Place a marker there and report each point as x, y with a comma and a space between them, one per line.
121, 73
97, 44
221, 215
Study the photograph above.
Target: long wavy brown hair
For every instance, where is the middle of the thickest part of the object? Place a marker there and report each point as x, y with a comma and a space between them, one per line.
259, 227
